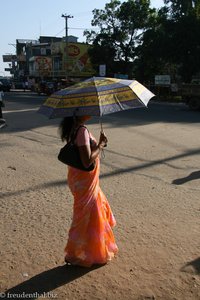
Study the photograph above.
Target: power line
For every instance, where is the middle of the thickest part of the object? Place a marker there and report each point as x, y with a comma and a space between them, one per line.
80, 28
60, 32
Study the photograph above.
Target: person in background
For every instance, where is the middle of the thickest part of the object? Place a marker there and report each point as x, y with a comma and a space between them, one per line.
91, 240
2, 120
26, 85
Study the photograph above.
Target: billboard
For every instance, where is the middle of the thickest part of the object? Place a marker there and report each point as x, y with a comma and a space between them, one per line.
76, 60
43, 65
162, 80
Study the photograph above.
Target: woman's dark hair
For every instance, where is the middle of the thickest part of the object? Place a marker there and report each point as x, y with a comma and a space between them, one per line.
66, 128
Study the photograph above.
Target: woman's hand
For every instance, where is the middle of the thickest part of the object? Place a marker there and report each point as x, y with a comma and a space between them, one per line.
102, 140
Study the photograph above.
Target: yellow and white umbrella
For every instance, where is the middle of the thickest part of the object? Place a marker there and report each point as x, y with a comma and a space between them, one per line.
96, 96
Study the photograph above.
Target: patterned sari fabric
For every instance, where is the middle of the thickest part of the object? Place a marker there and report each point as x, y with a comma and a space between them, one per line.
91, 240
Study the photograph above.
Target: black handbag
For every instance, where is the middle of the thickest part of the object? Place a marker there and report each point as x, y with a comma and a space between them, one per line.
69, 155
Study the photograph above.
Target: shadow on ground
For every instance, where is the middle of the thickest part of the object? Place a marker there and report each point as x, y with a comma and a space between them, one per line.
49, 280
193, 176
192, 267
113, 172
34, 188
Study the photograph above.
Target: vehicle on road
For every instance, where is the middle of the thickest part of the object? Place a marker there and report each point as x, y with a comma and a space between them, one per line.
5, 84
45, 88
190, 94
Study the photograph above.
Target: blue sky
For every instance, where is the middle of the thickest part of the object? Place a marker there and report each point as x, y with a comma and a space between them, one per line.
22, 19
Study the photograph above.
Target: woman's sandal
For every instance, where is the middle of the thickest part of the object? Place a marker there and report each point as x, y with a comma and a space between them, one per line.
67, 262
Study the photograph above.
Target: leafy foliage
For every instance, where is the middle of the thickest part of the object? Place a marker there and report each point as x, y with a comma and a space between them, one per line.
121, 27
181, 8
140, 41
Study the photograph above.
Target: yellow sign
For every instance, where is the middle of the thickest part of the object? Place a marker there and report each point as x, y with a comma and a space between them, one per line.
76, 60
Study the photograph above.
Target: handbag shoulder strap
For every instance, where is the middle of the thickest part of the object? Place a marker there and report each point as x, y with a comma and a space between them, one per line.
74, 135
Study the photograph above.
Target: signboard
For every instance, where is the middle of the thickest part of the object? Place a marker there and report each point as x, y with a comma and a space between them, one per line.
43, 65
120, 76
23, 41
76, 60
9, 58
174, 87
102, 70
73, 50
162, 80
56, 48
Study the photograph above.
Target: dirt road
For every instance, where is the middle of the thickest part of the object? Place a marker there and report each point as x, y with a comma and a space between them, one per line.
150, 175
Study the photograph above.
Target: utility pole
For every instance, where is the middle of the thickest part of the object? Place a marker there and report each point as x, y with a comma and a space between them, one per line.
66, 36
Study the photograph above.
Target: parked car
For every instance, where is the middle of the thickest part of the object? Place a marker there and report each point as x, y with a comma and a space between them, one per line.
18, 85
190, 93
5, 84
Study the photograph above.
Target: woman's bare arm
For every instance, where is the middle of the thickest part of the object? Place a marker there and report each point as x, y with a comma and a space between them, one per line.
89, 154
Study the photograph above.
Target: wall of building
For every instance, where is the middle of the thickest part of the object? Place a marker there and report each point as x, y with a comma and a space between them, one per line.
52, 57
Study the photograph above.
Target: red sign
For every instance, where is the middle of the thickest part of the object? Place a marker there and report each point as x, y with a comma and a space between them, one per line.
73, 50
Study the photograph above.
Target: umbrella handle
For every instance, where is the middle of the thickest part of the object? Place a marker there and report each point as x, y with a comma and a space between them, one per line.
101, 125
102, 131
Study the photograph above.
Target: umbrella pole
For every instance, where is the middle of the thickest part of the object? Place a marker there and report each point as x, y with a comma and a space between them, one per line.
101, 125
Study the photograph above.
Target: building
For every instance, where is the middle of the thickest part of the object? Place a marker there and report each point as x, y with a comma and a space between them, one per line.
51, 58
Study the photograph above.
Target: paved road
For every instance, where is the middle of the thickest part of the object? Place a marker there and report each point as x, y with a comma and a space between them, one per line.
20, 105
151, 175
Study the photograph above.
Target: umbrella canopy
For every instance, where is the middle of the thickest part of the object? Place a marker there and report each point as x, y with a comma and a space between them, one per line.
96, 96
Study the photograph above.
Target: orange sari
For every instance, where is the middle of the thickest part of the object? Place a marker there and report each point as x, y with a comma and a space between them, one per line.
91, 240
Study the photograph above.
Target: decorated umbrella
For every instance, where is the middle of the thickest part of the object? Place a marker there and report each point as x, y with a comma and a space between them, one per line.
96, 96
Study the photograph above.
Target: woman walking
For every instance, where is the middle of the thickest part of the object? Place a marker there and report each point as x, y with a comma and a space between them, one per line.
91, 240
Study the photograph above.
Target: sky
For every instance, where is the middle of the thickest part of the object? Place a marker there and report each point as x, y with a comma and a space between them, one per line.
24, 19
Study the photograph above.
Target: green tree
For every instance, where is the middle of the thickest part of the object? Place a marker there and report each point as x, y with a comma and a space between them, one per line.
152, 54
181, 8
121, 26
172, 44
184, 42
